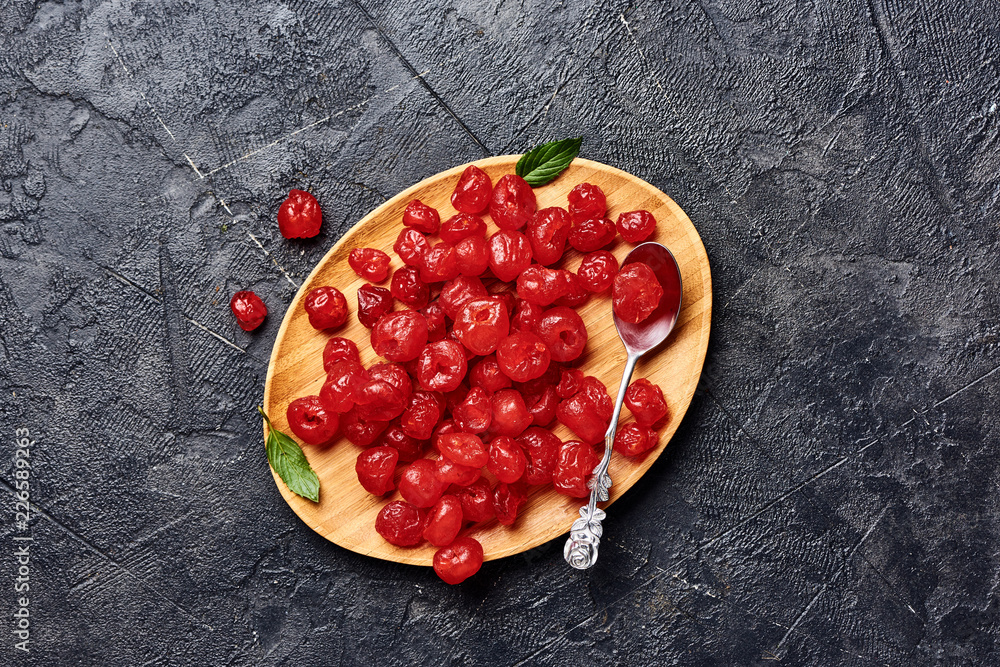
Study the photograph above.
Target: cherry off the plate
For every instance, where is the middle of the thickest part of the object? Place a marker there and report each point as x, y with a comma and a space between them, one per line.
345, 513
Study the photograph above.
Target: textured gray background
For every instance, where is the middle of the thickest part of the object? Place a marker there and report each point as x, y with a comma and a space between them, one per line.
831, 497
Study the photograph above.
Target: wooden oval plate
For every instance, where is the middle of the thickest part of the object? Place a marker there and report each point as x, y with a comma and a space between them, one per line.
346, 513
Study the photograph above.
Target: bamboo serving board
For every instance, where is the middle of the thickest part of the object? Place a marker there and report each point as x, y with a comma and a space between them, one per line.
346, 513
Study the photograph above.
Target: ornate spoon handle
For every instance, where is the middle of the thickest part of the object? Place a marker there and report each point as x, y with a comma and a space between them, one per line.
585, 535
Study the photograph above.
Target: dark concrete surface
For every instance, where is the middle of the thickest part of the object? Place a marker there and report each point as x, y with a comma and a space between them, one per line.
832, 495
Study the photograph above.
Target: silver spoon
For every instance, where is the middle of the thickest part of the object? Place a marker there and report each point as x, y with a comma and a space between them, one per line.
585, 535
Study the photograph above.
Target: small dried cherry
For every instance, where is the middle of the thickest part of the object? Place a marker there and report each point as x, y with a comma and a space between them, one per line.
473, 190
439, 264
646, 402
542, 286
634, 439
507, 500
411, 246
569, 382
419, 484
410, 449
473, 415
462, 226
249, 310
463, 448
563, 332
507, 461
510, 254
481, 324
326, 307
588, 412
487, 374
343, 381
541, 449
586, 202
513, 202
526, 316
407, 286
441, 366
576, 295
421, 416
547, 231
574, 466
421, 217
312, 422
400, 523
436, 326
299, 216
636, 226
477, 501
523, 356
636, 292
593, 234
598, 270
459, 291
455, 473
373, 303
444, 521
375, 468
399, 336
473, 257
510, 414
369, 263
339, 349
459, 560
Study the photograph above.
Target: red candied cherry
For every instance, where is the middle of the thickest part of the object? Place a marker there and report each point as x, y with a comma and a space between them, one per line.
422, 414
439, 264
547, 231
563, 332
459, 291
507, 500
509, 298
326, 307
513, 202
400, 523
399, 336
436, 326
299, 216
339, 349
444, 521
411, 246
373, 303
420, 485
569, 382
523, 356
311, 422
576, 295
249, 310
459, 560
588, 412
526, 316
542, 405
375, 468
473, 190
542, 286
507, 461
343, 382
385, 395
443, 427
598, 270
421, 217
463, 448
410, 449
510, 414
541, 451
481, 324
593, 234
646, 402
587, 202
636, 226
473, 415
636, 293
510, 254
535, 385
457, 395
441, 366
359, 432
574, 466
477, 501
634, 439
462, 226
450, 472
407, 286
473, 257
487, 374
369, 263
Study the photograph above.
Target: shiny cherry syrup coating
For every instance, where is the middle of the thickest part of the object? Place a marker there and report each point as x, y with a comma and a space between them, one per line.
588, 412
463, 448
400, 523
441, 366
299, 216
593, 234
399, 336
513, 202
526, 316
459, 560
472, 192
473, 415
311, 421
477, 501
457, 292
487, 374
634, 439
419, 484
563, 332
510, 254
574, 466
422, 414
439, 264
543, 405
326, 307
462, 226
541, 450
411, 246
407, 286
481, 324
510, 414
548, 231
339, 349
369, 263
569, 382
636, 226
373, 303
587, 202
473, 257
249, 310
444, 521
542, 286
385, 395
375, 468
421, 217
598, 270
646, 402
507, 460
523, 356
343, 381
635, 293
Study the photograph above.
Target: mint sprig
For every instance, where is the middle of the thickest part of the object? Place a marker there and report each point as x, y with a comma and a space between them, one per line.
287, 459
543, 163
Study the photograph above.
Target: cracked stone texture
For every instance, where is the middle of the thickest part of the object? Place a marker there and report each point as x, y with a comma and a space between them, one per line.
831, 496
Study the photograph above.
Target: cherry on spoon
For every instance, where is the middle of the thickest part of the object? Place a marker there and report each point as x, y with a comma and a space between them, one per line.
638, 339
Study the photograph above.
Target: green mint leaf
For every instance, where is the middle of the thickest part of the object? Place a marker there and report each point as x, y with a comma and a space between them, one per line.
287, 459
543, 163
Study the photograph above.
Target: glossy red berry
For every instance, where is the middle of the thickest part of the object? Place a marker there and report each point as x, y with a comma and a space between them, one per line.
576, 295
421, 217
472, 192
450, 472
636, 226
410, 449
369, 263
598, 270
487, 374
477, 501
563, 332
249, 310
587, 202
422, 414
439, 264
411, 246
299, 216
507, 460
513, 202
593, 234
523, 356
574, 467
462, 226
441, 366
526, 316
436, 326
407, 286
510, 254
472, 255
635, 293
569, 382
359, 432
481, 324
541, 449
646, 402
508, 500
459, 291
326, 307
588, 412
463, 448
444, 521
343, 381
339, 349
399, 336
548, 231
542, 405
634, 439
385, 395
542, 286
400, 523
375, 468
419, 484
312, 422
373, 303
510, 414
473, 415
459, 560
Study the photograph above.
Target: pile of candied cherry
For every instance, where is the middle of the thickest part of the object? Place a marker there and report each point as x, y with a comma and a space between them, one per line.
474, 377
